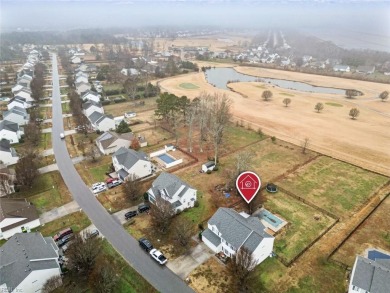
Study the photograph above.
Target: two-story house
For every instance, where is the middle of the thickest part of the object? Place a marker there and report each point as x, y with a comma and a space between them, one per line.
17, 115
130, 162
27, 261
109, 142
90, 96
227, 231
82, 87
91, 106
101, 122
8, 155
10, 130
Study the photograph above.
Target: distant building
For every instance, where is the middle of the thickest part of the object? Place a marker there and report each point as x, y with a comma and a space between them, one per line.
27, 261
365, 69
341, 68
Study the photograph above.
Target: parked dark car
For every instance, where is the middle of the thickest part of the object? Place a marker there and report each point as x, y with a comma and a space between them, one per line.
130, 214
145, 244
92, 233
114, 183
143, 208
64, 240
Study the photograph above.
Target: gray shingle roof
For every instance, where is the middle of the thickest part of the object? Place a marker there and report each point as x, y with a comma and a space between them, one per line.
5, 145
91, 103
8, 125
236, 229
371, 275
95, 116
171, 183
128, 157
16, 110
212, 237
19, 256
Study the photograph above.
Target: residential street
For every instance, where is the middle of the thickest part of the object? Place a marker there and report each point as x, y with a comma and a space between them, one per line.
162, 278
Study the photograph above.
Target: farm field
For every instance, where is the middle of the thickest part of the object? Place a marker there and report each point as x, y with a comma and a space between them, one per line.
335, 186
363, 141
305, 224
373, 233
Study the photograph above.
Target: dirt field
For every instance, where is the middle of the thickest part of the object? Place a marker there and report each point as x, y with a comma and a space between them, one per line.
363, 141
374, 233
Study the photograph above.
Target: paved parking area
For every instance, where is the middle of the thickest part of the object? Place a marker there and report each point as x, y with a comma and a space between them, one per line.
185, 264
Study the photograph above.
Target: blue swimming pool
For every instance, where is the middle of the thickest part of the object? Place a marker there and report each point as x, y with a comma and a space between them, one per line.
374, 254
270, 218
167, 159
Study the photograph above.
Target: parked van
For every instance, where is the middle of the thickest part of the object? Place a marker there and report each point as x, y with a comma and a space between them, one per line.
62, 234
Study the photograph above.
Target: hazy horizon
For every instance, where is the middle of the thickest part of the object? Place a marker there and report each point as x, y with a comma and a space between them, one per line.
350, 24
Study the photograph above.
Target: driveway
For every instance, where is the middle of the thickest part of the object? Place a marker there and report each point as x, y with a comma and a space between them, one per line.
185, 264
46, 153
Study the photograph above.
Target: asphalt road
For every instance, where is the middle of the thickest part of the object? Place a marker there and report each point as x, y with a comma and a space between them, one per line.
163, 279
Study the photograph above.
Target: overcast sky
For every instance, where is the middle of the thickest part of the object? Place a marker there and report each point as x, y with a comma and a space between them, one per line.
354, 19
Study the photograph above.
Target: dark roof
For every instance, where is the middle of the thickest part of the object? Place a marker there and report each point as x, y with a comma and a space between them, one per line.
107, 138
237, 230
212, 237
8, 125
128, 157
372, 276
91, 103
16, 110
169, 184
17, 208
95, 116
209, 164
24, 253
5, 145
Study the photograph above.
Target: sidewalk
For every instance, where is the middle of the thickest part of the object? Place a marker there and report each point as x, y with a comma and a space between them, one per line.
60, 212
54, 167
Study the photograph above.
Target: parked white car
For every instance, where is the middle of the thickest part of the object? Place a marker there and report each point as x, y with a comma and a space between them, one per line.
158, 256
98, 187
130, 114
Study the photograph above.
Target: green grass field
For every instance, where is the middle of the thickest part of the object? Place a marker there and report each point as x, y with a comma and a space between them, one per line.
188, 86
77, 221
333, 185
333, 104
303, 226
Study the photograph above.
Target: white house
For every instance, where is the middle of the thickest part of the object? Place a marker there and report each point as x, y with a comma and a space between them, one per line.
86, 68
75, 60
7, 182
18, 102
15, 214
171, 188
18, 115
130, 71
90, 96
130, 162
370, 275
341, 68
10, 130
25, 79
208, 166
81, 78
227, 231
27, 261
109, 142
17, 88
91, 106
101, 122
82, 87
8, 155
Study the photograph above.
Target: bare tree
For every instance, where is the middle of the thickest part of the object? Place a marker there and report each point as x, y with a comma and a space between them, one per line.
93, 153
191, 113
132, 187
82, 254
305, 145
183, 231
287, 101
384, 95
131, 85
354, 112
27, 168
242, 162
103, 279
219, 117
350, 93
162, 214
52, 284
240, 269
203, 118
135, 145
266, 95
318, 107
32, 134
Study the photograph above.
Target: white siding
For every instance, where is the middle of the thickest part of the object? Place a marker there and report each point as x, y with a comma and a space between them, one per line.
11, 136
263, 250
18, 229
141, 169
7, 158
106, 125
35, 281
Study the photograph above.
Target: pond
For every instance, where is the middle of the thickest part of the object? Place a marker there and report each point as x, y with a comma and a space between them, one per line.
219, 77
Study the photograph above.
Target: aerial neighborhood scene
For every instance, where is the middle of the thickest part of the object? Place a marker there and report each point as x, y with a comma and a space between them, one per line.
195, 146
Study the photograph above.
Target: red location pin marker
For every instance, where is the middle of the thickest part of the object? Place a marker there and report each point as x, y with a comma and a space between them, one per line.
248, 184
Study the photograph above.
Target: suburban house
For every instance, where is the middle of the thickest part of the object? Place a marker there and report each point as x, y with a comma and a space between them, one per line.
101, 122
109, 142
365, 69
17, 88
16, 215
18, 115
370, 276
86, 68
27, 261
341, 68
130, 71
82, 87
91, 106
18, 102
81, 79
90, 96
172, 189
10, 130
81, 73
227, 231
7, 179
75, 60
24, 93
26, 79
130, 162
8, 155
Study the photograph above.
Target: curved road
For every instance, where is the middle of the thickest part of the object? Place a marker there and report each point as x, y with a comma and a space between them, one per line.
163, 279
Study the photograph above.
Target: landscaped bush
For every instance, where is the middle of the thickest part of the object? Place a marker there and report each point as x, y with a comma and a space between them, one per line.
140, 88
273, 138
208, 172
119, 100
215, 168
106, 102
196, 204
200, 225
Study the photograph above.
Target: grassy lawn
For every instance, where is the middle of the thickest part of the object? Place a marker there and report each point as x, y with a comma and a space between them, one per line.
65, 108
120, 108
129, 280
43, 195
77, 221
188, 86
287, 94
375, 232
45, 142
303, 227
333, 104
98, 173
334, 185
64, 91
45, 161
114, 86
236, 137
